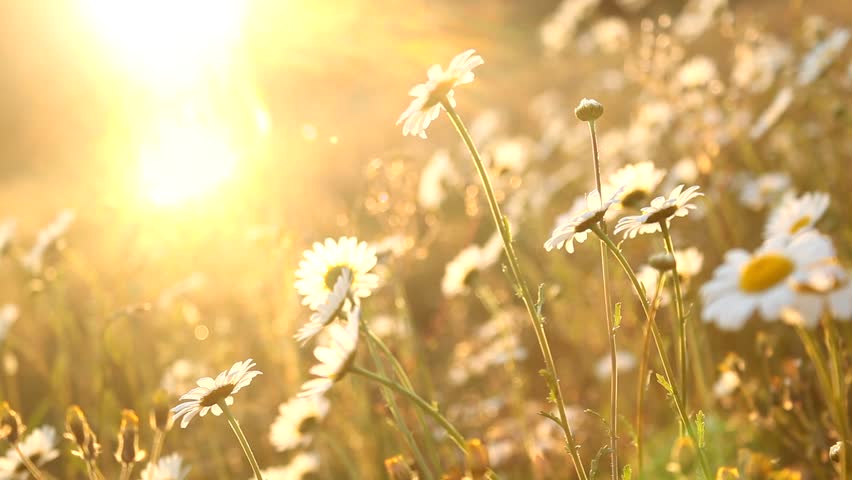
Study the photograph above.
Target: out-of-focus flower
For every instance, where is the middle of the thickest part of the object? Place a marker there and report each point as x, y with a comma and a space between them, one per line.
320, 268
689, 262
638, 182
8, 315
782, 101
180, 376
608, 36
511, 155
170, 467
760, 281
436, 176
577, 227
822, 56
39, 446
335, 358
209, 392
662, 209
796, 214
560, 28
766, 189
428, 96
473, 258
757, 63
7, 231
828, 285
626, 362
299, 468
297, 418
47, 238
698, 72
696, 17
727, 384
329, 310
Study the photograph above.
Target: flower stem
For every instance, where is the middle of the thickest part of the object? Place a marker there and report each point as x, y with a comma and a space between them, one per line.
681, 318
156, 450
613, 349
126, 469
643, 369
658, 340
841, 395
34, 471
523, 289
235, 426
427, 407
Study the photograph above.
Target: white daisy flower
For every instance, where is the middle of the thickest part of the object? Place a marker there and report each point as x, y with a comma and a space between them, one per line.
426, 105
689, 262
827, 285
47, 238
329, 310
796, 214
662, 209
639, 181
7, 231
626, 362
39, 446
822, 56
648, 276
170, 467
764, 190
209, 392
438, 174
297, 418
335, 358
300, 467
180, 376
320, 268
577, 227
727, 384
761, 281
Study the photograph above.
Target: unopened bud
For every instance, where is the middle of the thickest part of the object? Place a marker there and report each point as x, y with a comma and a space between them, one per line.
11, 427
663, 262
161, 415
78, 430
128, 439
588, 110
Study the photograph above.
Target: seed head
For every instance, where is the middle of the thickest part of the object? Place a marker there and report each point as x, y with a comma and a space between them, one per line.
128, 451
78, 430
589, 110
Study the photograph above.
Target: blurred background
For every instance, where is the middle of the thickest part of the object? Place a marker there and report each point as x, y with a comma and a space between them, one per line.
201, 146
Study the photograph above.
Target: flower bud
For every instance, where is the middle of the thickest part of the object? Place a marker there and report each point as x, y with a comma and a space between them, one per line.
128, 439
161, 415
588, 110
727, 473
834, 452
78, 430
662, 261
11, 427
477, 458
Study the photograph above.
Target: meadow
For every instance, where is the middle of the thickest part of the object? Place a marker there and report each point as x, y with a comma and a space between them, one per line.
576, 239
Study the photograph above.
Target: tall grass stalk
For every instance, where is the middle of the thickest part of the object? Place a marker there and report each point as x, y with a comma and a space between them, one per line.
664, 360
643, 369
522, 289
681, 318
238, 432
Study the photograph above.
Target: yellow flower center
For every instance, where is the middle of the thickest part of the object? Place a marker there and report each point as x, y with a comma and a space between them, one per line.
634, 199
764, 272
333, 274
216, 396
800, 224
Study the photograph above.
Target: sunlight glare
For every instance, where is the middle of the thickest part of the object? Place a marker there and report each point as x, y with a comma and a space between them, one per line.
185, 160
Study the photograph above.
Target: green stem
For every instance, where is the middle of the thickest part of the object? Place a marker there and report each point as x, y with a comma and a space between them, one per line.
840, 396
613, 349
392, 405
427, 407
658, 340
34, 471
643, 369
681, 318
235, 426
526, 296
126, 469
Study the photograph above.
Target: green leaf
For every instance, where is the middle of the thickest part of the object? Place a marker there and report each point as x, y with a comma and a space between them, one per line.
627, 473
665, 384
616, 316
699, 421
593, 468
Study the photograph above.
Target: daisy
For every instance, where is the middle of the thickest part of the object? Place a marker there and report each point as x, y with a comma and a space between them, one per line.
459, 271
329, 310
46, 239
796, 214
761, 281
170, 467
39, 446
210, 392
662, 209
626, 362
759, 192
8, 315
577, 227
825, 287
335, 358
301, 466
689, 262
428, 97
320, 268
296, 419
639, 181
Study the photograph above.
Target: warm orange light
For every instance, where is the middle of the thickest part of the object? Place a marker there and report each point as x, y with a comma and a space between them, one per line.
170, 41
185, 159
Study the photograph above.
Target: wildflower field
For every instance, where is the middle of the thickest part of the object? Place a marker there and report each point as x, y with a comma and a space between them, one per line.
341, 239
